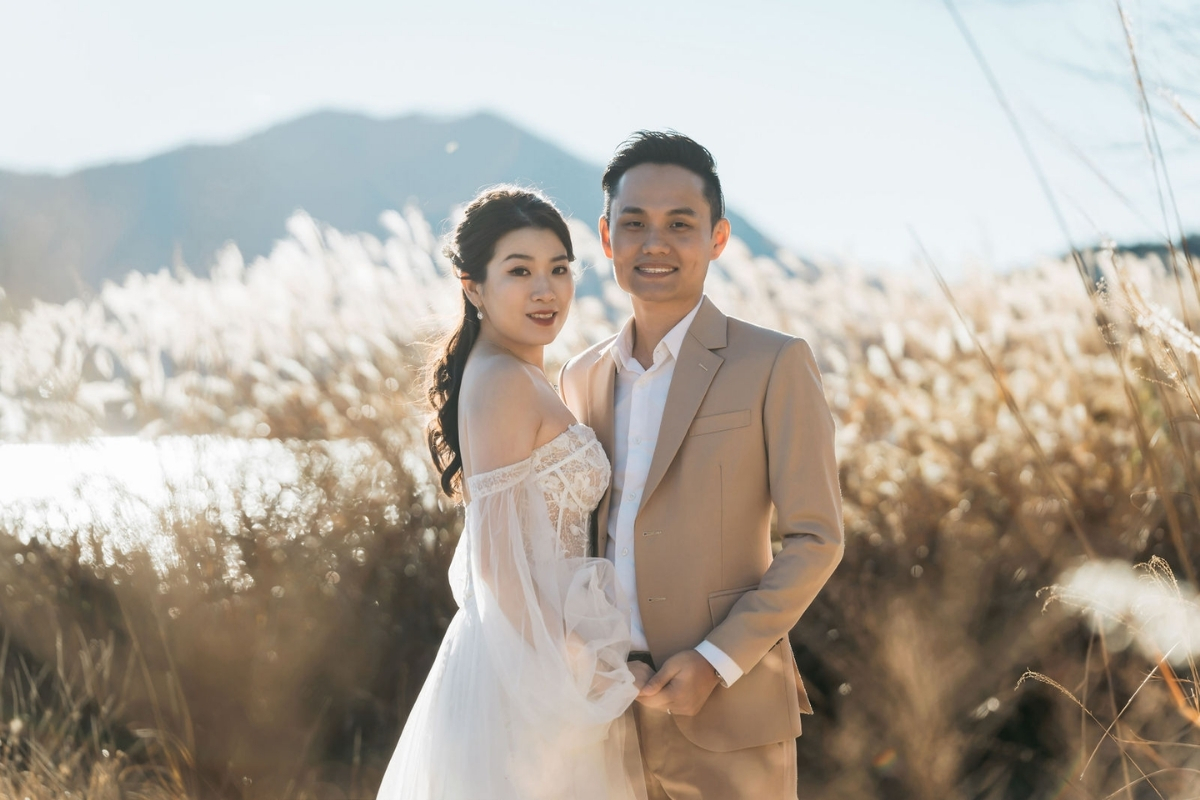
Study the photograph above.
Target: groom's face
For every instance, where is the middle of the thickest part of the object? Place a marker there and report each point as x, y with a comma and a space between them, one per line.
660, 236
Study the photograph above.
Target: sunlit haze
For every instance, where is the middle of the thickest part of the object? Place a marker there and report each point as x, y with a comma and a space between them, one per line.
836, 125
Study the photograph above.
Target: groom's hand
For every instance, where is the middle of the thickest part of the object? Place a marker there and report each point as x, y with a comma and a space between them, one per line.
682, 686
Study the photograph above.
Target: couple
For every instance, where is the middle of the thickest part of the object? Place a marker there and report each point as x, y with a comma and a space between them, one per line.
661, 668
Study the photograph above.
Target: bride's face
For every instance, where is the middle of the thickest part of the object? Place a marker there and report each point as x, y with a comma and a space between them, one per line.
528, 291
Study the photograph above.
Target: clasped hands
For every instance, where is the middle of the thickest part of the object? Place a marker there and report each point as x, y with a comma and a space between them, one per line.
681, 687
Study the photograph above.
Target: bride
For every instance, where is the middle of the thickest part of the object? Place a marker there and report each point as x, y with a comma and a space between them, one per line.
527, 695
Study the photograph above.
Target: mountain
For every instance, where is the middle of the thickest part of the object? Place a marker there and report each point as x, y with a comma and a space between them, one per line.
1142, 249
63, 236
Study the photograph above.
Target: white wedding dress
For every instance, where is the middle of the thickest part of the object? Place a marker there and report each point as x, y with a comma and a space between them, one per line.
526, 697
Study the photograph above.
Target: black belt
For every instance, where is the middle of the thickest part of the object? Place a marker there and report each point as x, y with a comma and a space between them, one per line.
642, 656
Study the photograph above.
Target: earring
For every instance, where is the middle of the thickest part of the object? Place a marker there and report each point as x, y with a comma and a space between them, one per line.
479, 313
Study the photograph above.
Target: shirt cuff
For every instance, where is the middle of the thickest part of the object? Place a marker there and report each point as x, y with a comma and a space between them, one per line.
727, 669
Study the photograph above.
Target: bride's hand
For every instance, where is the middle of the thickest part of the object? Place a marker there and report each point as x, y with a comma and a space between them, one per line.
642, 673
682, 685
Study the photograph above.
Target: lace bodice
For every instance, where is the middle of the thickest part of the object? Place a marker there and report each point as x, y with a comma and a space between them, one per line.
572, 472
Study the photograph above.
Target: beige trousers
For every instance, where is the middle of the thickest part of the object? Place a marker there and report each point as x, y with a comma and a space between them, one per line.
676, 769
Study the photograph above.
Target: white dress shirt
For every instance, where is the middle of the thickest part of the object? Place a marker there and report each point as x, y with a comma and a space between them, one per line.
639, 401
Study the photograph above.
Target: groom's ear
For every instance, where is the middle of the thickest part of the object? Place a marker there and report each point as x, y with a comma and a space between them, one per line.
720, 238
605, 239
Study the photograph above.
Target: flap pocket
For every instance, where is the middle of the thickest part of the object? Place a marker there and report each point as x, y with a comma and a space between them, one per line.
720, 603
719, 422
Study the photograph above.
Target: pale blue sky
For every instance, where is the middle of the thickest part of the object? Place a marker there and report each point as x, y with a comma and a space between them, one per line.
836, 123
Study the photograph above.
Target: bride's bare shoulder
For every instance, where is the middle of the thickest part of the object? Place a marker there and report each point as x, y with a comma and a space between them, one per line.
499, 411
498, 384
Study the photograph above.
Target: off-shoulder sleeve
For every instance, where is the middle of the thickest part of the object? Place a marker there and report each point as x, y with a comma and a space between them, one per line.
554, 624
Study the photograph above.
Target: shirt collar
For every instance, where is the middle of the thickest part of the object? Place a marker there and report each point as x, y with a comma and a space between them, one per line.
622, 347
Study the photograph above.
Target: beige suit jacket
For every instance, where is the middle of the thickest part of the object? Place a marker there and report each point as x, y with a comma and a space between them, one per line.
746, 427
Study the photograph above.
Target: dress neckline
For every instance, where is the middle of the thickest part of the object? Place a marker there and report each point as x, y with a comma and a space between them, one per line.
525, 462
564, 432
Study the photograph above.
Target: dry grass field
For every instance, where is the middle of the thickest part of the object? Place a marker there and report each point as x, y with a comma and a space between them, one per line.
263, 637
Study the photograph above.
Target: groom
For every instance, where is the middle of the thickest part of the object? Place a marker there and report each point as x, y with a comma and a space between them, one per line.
710, 422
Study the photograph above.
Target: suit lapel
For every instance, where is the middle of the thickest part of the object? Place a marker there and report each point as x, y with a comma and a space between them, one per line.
695, 369
601, 379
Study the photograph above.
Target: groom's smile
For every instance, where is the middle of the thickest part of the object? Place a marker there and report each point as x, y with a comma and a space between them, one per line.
655, 269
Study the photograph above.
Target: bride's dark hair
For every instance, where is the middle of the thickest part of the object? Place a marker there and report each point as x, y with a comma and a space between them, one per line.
495, 212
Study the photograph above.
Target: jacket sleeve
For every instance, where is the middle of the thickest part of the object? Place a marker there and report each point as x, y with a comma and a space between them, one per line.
562, 379
572, 387
803, 474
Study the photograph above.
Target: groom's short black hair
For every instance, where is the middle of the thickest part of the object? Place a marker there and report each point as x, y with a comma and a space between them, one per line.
664, 147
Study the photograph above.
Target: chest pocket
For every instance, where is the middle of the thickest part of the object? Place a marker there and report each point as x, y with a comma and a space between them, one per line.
719, 422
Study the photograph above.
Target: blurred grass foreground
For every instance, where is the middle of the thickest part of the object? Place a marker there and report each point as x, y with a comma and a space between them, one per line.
238, 584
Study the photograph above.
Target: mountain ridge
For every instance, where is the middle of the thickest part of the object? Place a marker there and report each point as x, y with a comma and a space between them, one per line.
62, 236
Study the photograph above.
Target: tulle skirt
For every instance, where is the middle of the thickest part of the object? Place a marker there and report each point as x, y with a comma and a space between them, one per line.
527, 697
463, 740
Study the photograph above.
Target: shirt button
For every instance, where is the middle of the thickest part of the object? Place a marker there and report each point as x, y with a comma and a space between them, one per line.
637, 440
625, 551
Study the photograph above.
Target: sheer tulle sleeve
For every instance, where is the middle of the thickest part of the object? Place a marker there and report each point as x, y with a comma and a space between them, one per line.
539, 707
